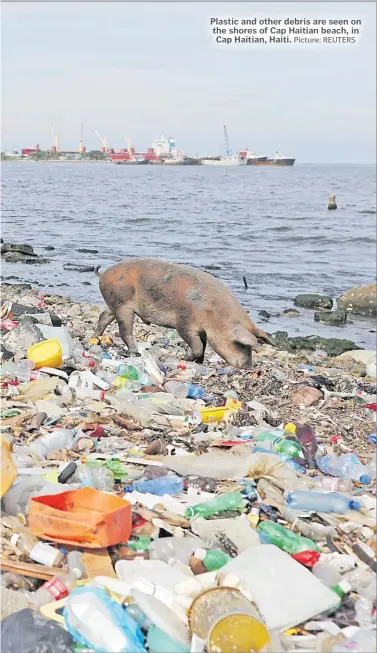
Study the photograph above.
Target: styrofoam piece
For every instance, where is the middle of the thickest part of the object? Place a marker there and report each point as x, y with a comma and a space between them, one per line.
285, 592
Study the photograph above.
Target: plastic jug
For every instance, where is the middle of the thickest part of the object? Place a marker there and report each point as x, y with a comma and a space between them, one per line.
8, 468
47, 353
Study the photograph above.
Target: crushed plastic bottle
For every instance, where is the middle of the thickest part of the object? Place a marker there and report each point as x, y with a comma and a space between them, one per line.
345, 466
54, 441
160, 486
321, 501
174, 364
360, 642
173, 549
328, 484
286, 539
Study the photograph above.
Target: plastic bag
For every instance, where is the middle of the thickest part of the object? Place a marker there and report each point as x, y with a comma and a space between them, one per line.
27, 631
99, 622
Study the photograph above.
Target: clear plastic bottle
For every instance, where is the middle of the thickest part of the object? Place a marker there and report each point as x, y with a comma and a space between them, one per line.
227, 501
285, 539
175, 364
160, 486
75, 564
360, 642
55, 589
33, 549
97, 476
345, 466
177, 389
329, 484
54, 441
321, 501
173, 549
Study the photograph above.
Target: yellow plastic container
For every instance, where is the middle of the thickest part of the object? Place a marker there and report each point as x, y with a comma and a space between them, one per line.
8, 468
47, 353
237, 633
213, 414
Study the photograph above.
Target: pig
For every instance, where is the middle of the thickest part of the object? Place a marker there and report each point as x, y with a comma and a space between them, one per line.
179, 297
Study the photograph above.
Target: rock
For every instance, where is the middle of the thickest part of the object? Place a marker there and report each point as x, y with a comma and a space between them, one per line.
49, 248
23, 336
313, 301
38, 261
21, 249
361, 301
265, 314
332, 346
306, 396
78, 268
363, 355
83, 250
291, 312
331, 317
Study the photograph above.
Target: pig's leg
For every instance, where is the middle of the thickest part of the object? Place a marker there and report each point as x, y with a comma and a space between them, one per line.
197, 342
125, 319
104, 320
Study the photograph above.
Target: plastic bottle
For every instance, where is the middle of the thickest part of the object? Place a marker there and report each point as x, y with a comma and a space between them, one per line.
94, 475
286, 539
75, 564
285, 459
360, 642
177, 389
287, 447
329, 576
55, 589
213, 559
309, 445
175, 364
16, 500
173, 549
345, 466
329, 484
321, 501
227, 501
160, 486
33, 549
20, 371
54, 441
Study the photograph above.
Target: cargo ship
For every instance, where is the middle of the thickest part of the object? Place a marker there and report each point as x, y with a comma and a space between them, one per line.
277, 160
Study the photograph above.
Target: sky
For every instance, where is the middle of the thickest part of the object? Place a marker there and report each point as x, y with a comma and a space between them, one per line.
141, 69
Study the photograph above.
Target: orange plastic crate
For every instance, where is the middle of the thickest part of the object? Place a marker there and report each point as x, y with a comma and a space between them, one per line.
85, 517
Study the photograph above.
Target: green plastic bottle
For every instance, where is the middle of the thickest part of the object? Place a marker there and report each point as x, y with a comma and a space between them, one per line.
141, 545
227, 501
266, 436
212, 559
286, 539
287, 447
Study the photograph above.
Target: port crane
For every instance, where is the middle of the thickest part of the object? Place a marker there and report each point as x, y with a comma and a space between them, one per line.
55, 139
104, 147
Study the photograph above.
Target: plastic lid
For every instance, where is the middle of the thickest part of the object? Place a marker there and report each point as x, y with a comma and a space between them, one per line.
365, 479
355, 505
200, 554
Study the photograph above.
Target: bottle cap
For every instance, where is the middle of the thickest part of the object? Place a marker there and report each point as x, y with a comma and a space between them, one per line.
365, 479
200, 554
354, 505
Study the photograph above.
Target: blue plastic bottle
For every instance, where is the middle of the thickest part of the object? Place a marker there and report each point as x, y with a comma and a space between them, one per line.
345, 466
160, 486
321, 501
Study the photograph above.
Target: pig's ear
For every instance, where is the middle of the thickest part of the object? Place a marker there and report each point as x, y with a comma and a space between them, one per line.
242, 335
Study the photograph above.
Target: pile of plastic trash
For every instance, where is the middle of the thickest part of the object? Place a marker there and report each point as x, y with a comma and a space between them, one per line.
152, 504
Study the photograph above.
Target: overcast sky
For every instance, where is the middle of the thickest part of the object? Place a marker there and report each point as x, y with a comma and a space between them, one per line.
139, 69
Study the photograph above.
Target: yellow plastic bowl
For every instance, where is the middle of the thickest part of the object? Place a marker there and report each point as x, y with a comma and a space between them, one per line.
47, 353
